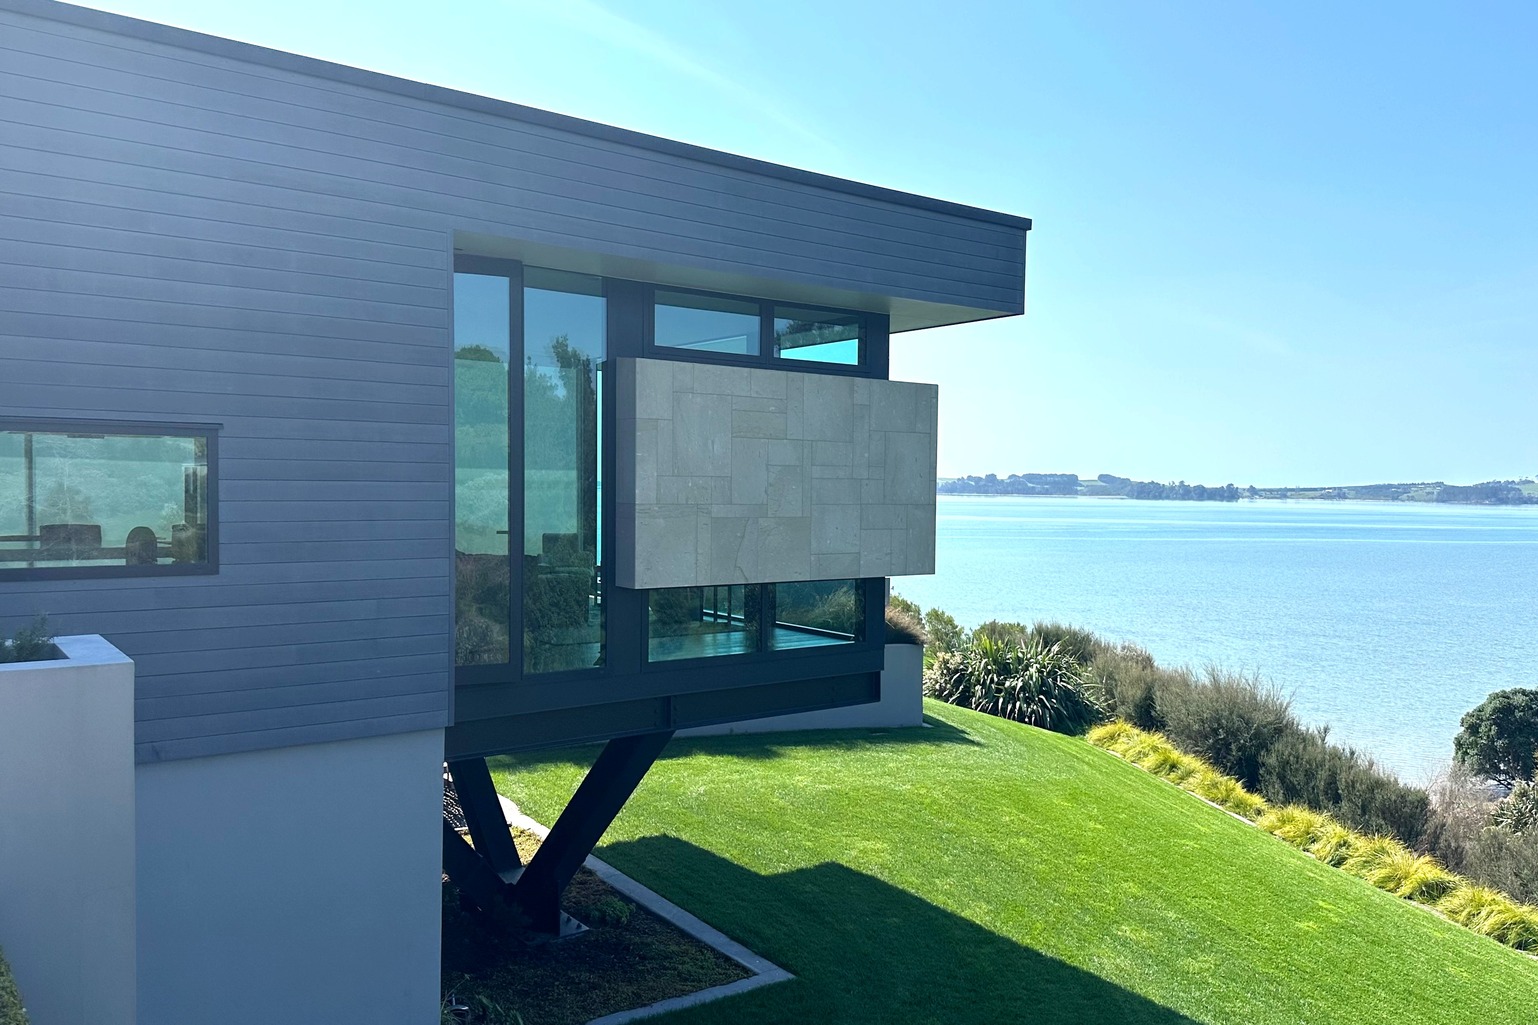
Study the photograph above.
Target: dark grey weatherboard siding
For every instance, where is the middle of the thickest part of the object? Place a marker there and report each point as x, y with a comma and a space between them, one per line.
199, 231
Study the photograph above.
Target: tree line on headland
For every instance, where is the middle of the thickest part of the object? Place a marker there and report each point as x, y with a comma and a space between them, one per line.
1497, 492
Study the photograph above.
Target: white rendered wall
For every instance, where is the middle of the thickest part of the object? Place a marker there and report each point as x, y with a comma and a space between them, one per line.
901, 704
67, 833
299, 885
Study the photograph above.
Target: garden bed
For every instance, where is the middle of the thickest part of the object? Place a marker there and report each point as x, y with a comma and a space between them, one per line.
628, 958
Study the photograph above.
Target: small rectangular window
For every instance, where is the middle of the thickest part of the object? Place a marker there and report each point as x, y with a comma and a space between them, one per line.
817, 612
817, 336
706, 323
700, 622
105, 499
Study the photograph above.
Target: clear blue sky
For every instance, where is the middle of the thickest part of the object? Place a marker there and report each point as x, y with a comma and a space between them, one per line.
1275, 244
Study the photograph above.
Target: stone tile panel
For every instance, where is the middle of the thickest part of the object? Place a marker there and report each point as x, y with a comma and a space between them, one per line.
742, 475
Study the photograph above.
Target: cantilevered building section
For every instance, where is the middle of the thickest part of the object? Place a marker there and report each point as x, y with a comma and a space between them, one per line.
383, 425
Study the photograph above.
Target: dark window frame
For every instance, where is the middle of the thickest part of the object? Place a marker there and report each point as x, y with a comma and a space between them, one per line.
209, 432
868, 366
873, 594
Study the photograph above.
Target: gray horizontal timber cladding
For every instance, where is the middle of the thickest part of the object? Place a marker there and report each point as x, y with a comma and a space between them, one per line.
198, 231
189, 128
597, 194
268, 102
730, 475
359, 115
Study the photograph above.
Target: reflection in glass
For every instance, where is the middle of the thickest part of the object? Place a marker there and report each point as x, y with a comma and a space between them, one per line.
705, 323
698, 622
564, 324
817, 336
481, 354
817, 612
102, 500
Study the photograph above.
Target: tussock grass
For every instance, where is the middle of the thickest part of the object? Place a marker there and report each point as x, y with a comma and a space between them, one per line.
1404, 873
1112, 735
1493, 914
1227, 793
1333, 845
1369, 853
1299, 826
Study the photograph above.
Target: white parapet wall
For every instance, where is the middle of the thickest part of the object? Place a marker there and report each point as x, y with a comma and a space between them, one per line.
67, 833
299, 885
901, 704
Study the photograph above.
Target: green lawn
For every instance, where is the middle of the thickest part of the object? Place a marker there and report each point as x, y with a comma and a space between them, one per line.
982, 871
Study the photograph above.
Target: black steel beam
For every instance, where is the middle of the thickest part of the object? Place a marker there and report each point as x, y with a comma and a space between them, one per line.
619, 769
483, 814
477, 883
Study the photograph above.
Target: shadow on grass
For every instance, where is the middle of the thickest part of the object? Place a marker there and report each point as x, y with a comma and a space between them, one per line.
865, 951
765, 746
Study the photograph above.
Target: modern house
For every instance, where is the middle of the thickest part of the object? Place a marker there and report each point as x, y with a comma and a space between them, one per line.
383, 425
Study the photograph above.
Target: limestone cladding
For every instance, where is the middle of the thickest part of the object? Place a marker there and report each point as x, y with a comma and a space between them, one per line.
731, 475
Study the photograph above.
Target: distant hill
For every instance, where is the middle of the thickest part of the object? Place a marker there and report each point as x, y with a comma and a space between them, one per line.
1495, 492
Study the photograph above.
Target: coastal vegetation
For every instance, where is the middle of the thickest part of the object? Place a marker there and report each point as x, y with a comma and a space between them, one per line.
980, 870
1496, 492
1246, 730
1499, 739
11, 1010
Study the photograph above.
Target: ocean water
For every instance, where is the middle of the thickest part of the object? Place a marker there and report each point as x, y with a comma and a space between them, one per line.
1387, 621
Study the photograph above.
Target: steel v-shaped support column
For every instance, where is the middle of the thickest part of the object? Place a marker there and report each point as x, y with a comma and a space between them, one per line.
619, 769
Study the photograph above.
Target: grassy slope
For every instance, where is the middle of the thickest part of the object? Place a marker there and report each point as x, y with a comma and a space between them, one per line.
983, 871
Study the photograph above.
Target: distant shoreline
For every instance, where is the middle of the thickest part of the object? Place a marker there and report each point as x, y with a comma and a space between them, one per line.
1523, 491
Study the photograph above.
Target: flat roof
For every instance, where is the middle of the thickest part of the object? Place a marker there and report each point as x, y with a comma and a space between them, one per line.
283, 60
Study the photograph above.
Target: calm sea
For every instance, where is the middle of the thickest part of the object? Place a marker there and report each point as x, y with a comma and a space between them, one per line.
1386, 621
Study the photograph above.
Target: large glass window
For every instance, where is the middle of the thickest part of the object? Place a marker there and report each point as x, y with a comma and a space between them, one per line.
482, 354
817, 336
706, 323
564, 324
81, 499
699, 622
817, 612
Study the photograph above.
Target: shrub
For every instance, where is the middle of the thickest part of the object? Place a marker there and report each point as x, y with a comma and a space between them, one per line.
903, 627
1078, 644
1517, 812
32, 643
1026, 683
608, 911
1231, 721
1004, 634
1499, 739
11, 1011
897, 601
945, 634
1302, 767
1130, 681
